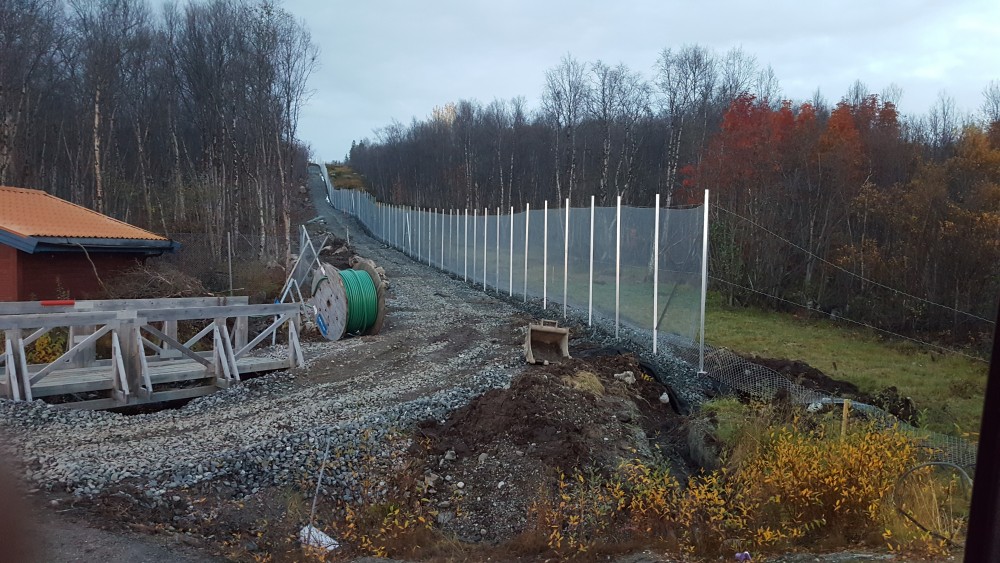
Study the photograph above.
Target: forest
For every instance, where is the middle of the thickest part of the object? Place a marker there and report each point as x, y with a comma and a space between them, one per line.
848, 208
181, 120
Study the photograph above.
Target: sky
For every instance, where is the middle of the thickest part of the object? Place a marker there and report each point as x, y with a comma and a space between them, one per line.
385, 60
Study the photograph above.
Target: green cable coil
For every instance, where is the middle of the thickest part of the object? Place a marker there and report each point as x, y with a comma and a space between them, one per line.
362, 300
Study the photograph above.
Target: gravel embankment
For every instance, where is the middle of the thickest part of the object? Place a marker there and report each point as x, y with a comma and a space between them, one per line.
444, 343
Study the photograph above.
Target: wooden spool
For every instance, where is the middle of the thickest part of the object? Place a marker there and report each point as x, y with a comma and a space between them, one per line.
380, 290
330, 299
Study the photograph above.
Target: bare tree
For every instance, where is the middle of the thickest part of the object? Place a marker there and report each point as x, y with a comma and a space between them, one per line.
563, 100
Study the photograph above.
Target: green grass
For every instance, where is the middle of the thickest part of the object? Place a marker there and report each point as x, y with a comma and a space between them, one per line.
947, 388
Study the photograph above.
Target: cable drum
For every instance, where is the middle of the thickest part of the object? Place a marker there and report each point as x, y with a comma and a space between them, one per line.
362, 300
349, 301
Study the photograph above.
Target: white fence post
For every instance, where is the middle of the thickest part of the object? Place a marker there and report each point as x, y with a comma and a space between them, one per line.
656, 266
618, 263
590, 302
545, 256
704, 286
496, 285
465, 271
475, 241
486, 224
527, 219
566, 259
510, 255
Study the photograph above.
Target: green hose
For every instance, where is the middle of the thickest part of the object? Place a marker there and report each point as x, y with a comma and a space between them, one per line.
362, 301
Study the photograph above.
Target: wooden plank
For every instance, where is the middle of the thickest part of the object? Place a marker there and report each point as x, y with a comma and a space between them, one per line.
201, 334
227, 348
22, 364
68, 355
258, 365
177, 345
147, 386
36, 335
10, 368
53, 320
192, 313
35, 307
120, 376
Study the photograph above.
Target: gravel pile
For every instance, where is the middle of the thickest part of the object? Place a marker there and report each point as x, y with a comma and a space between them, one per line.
439, 349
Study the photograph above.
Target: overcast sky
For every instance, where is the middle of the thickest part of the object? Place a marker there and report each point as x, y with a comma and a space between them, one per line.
397, 59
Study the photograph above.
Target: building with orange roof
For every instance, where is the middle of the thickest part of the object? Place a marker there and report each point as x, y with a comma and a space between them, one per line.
51, 248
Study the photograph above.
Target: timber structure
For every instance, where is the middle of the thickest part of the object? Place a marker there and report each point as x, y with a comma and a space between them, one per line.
146, 360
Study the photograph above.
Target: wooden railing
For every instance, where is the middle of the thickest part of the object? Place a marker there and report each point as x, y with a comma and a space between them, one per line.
146, 356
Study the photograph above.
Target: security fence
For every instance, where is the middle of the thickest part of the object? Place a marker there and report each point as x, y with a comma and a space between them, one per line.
644, 268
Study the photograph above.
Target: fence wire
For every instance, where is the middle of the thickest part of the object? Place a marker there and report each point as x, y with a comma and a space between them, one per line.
602, 260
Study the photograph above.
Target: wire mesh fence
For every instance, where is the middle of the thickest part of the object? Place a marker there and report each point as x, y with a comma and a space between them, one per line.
627, 266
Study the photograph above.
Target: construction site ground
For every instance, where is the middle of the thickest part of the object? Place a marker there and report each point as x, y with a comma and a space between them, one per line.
439, 404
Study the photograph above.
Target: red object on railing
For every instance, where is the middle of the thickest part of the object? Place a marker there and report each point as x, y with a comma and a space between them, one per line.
58, 303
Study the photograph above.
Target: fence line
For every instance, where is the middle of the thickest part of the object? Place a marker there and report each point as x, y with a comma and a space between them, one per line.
655, 260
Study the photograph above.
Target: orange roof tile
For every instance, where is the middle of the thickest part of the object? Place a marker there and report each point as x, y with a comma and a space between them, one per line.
34, 213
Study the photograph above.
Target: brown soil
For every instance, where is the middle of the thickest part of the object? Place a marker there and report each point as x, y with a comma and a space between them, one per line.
509, 445
809, 377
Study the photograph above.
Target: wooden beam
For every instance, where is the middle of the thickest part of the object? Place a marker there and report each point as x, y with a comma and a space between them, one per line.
22, 366
36, 335
120, 375
147, 386
201, 334
52, 320
11, 368
35, 307
177, 345
260, 337
227, 348
192, 313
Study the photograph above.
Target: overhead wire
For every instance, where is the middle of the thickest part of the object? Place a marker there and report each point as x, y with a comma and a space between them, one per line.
846, 271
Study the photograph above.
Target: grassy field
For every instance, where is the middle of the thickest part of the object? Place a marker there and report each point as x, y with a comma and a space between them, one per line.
947, 388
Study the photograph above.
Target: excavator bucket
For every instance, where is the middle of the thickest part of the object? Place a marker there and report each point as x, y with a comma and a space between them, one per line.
546, 343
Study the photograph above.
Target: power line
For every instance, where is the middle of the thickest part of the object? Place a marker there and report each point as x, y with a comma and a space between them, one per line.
846, 271
859, 323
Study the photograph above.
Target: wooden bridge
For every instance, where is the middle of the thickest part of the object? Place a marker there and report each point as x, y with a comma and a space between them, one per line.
147, 363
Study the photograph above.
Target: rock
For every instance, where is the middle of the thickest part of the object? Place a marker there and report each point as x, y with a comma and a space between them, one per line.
626, 376
665, 398
483, 457
450, 455
460, 485
501, 484
445, 517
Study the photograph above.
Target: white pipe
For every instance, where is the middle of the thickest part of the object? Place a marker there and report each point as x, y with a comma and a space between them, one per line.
475, 241
704, 286
656, 266
618, 264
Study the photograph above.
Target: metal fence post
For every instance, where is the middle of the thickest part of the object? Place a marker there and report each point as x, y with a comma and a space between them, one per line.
496, 285
566, 259
510, 255
475, 241
618, 263
465, 270
527, 219
704, 286
656, 266
590, 299
545, 256
486, 224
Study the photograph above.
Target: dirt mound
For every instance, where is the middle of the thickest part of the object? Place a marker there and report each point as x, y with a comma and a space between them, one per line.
801, 373
490, 459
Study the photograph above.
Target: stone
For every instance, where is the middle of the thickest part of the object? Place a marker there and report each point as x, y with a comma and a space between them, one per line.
483, 457
626, 376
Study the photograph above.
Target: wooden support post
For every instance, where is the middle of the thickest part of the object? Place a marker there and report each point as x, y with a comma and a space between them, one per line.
10, 364
295, 357
843, 419
241, 332
119, 374
88, 355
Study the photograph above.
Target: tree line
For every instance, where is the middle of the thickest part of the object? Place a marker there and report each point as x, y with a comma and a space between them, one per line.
849, 207
179, 120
